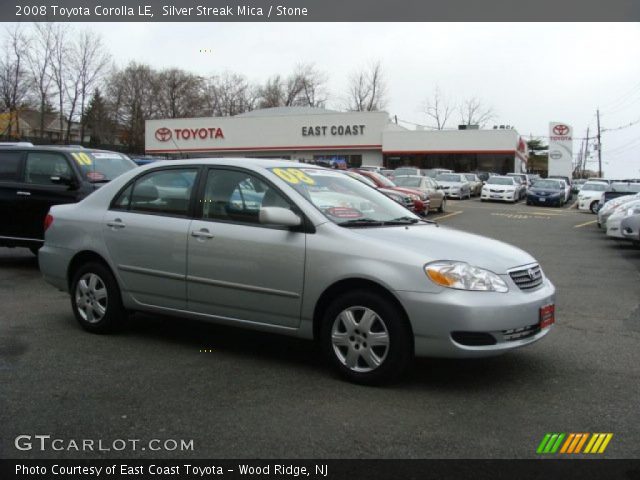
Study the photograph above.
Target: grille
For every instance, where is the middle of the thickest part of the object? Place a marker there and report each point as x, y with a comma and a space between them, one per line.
527, 278
520, 333
492, 190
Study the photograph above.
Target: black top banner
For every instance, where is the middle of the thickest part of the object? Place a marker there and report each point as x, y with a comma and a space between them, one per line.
318, 10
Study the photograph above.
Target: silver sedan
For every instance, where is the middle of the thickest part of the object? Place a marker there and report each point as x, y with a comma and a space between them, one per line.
294, 249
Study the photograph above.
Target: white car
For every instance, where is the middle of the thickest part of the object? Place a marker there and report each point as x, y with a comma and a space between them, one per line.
621, 212
590, 194
503, 188
567, 189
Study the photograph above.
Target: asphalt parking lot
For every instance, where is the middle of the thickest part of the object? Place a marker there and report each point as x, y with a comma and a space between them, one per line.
243, 394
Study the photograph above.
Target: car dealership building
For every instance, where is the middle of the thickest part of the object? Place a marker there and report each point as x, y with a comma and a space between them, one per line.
315, 135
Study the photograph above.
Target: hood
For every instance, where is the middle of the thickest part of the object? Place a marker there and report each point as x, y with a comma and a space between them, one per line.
406, 190
450, 184
441, 243
495, 186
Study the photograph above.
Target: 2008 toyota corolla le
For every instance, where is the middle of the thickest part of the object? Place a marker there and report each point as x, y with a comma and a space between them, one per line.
295, 249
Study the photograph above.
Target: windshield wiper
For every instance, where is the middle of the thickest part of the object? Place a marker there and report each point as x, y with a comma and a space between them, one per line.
361, 222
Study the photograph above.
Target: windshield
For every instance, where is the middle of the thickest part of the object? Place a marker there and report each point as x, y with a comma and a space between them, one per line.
344, 200
448, 177
102, 166
471, 177
408, 181
404, 171
596, 187
550, 184
500, 181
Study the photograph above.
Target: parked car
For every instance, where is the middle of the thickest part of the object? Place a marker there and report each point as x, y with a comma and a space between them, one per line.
388, 173
577, 185
475, 182
567, 187
630, 228
428, 185
608, 208
521, 181
400, 171
501, 187
32, 179
420, 199
547, 192
402, 198
454, 185
590, 194
372, 168
627, 209
438, 292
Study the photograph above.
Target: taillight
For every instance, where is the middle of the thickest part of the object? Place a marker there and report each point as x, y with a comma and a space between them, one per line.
48, 220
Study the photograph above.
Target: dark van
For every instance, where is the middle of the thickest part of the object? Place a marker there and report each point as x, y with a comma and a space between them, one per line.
32, 179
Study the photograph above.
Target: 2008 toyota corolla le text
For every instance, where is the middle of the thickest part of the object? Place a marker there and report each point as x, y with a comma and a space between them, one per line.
296, 249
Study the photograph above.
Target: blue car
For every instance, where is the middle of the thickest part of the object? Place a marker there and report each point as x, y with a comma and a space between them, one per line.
546, 192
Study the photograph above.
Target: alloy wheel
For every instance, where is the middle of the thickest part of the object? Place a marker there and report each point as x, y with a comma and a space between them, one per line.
91, 298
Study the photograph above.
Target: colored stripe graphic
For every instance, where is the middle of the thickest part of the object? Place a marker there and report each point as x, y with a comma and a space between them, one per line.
550, 443
572, 443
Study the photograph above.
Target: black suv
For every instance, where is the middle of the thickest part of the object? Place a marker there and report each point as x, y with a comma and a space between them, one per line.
34, 178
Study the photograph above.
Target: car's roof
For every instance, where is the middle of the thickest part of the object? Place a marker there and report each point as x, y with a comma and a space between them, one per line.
239, 161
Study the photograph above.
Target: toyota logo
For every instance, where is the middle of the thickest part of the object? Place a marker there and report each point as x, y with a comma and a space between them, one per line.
163, 134
532, 274
561, 129
555, 155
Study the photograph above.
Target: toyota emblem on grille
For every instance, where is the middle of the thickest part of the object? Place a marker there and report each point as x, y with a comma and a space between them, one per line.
532, 274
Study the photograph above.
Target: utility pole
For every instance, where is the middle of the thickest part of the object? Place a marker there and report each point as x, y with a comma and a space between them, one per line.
599, 146
586, 153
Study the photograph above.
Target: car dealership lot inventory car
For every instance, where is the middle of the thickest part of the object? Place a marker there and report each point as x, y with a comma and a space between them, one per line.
589, 195
501, 188
613, 224
454, 185
32, 179
311, 260
437, 198
549, 192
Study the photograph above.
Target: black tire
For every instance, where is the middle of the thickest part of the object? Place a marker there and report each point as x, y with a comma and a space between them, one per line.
528, 202
443, 205
395, 357
114, 313
594, 206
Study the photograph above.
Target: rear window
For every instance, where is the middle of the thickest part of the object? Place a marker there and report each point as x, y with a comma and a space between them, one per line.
9, 166
97, 167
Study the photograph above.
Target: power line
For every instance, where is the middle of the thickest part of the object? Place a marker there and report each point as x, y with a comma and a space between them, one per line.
622, 127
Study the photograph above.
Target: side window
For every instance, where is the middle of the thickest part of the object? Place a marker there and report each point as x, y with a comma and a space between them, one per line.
41, 166
163, 191
238, 197
9, 166
123, 200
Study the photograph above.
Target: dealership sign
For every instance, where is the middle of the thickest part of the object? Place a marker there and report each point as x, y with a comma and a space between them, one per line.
164, 134
560, 149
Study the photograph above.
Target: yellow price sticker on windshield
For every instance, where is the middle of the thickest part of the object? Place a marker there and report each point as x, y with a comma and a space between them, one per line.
82, 158
293, 176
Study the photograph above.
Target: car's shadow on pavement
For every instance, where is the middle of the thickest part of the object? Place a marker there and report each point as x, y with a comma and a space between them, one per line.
305, 355
18, 258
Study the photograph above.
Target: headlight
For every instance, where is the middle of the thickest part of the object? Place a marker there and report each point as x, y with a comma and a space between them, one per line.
462, 276
413, 196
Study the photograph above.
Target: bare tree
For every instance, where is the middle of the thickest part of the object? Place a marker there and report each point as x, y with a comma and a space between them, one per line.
59, 64
14, 86
305, 87
439, 108
91, 61
229, 94
312, 84
180, 93
272, 93
39, 57
473, 112
367, 89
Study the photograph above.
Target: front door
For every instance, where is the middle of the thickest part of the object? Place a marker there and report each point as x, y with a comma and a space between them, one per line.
238, 268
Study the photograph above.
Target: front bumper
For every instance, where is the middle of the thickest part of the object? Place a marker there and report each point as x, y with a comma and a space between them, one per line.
511, 318
504, 196
613, 228
544, 200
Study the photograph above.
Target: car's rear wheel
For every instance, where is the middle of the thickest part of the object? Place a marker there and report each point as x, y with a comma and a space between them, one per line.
366, 338
96, 300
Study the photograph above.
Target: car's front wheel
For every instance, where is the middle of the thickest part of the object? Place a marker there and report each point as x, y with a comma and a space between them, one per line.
96, 300
366, 338
594, 207
443, 205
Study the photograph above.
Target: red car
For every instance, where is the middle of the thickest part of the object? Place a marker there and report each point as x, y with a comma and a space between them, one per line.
420, 199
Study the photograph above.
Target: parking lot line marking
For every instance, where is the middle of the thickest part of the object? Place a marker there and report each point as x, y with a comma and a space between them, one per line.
542, 213
585, 224
449, 215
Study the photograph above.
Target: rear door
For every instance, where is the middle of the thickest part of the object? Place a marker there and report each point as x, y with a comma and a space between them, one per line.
10, 166
237, 267
146, 231
38, 192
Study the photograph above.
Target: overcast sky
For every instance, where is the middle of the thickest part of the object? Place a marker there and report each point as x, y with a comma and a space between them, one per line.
529, 74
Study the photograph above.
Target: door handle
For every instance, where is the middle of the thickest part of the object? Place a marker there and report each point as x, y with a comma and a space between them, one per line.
202, 233
117, 223
23, 193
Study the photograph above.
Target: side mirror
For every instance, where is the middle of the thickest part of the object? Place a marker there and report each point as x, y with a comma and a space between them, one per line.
63, 180
279, 216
